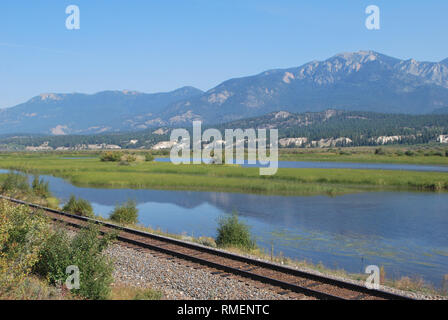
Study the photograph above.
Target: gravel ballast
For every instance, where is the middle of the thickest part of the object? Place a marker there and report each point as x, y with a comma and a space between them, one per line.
137, 268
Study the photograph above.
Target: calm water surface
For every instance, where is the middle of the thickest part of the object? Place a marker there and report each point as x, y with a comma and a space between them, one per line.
405, 232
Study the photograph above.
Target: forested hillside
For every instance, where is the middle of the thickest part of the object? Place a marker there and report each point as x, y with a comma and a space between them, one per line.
362, 128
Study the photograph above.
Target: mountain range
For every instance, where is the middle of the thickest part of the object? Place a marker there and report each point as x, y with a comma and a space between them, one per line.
357, 81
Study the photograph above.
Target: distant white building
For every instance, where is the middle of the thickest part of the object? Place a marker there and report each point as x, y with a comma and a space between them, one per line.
164, 145
387, 139
331, 142
322, 143
43, 147
442, 138
103, 146
298, 142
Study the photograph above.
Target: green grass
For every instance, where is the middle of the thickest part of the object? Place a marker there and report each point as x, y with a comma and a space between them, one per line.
156, 175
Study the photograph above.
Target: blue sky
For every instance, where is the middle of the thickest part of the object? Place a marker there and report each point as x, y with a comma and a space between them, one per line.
153, 46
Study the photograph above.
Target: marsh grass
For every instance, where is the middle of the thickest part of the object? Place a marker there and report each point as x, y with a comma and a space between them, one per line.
40, 187
157, 175
15, 182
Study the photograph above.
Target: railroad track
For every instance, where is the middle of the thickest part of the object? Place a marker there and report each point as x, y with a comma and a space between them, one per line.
290, 281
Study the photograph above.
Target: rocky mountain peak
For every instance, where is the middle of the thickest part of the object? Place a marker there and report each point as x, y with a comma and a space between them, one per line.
353, 81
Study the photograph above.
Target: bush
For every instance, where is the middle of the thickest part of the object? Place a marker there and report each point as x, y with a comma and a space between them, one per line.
111, 156
15, 182
55, 257
21, 236
130, 158
79, 207
84, 251
380, 151
149, 157
29, 244
40, 187
409, 153
127, 160
126, 213
95, 268
233, 233
207, 241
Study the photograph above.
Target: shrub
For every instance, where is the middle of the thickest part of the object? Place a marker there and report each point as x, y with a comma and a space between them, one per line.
84, 251
95, 268
207, 241
409, 153
15, 182
111, 156
79, 207
127, 160
232, 232
21, 237
29, 244
149, 157
55, 257
126, 213
130, 158
40, 187
380, 151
